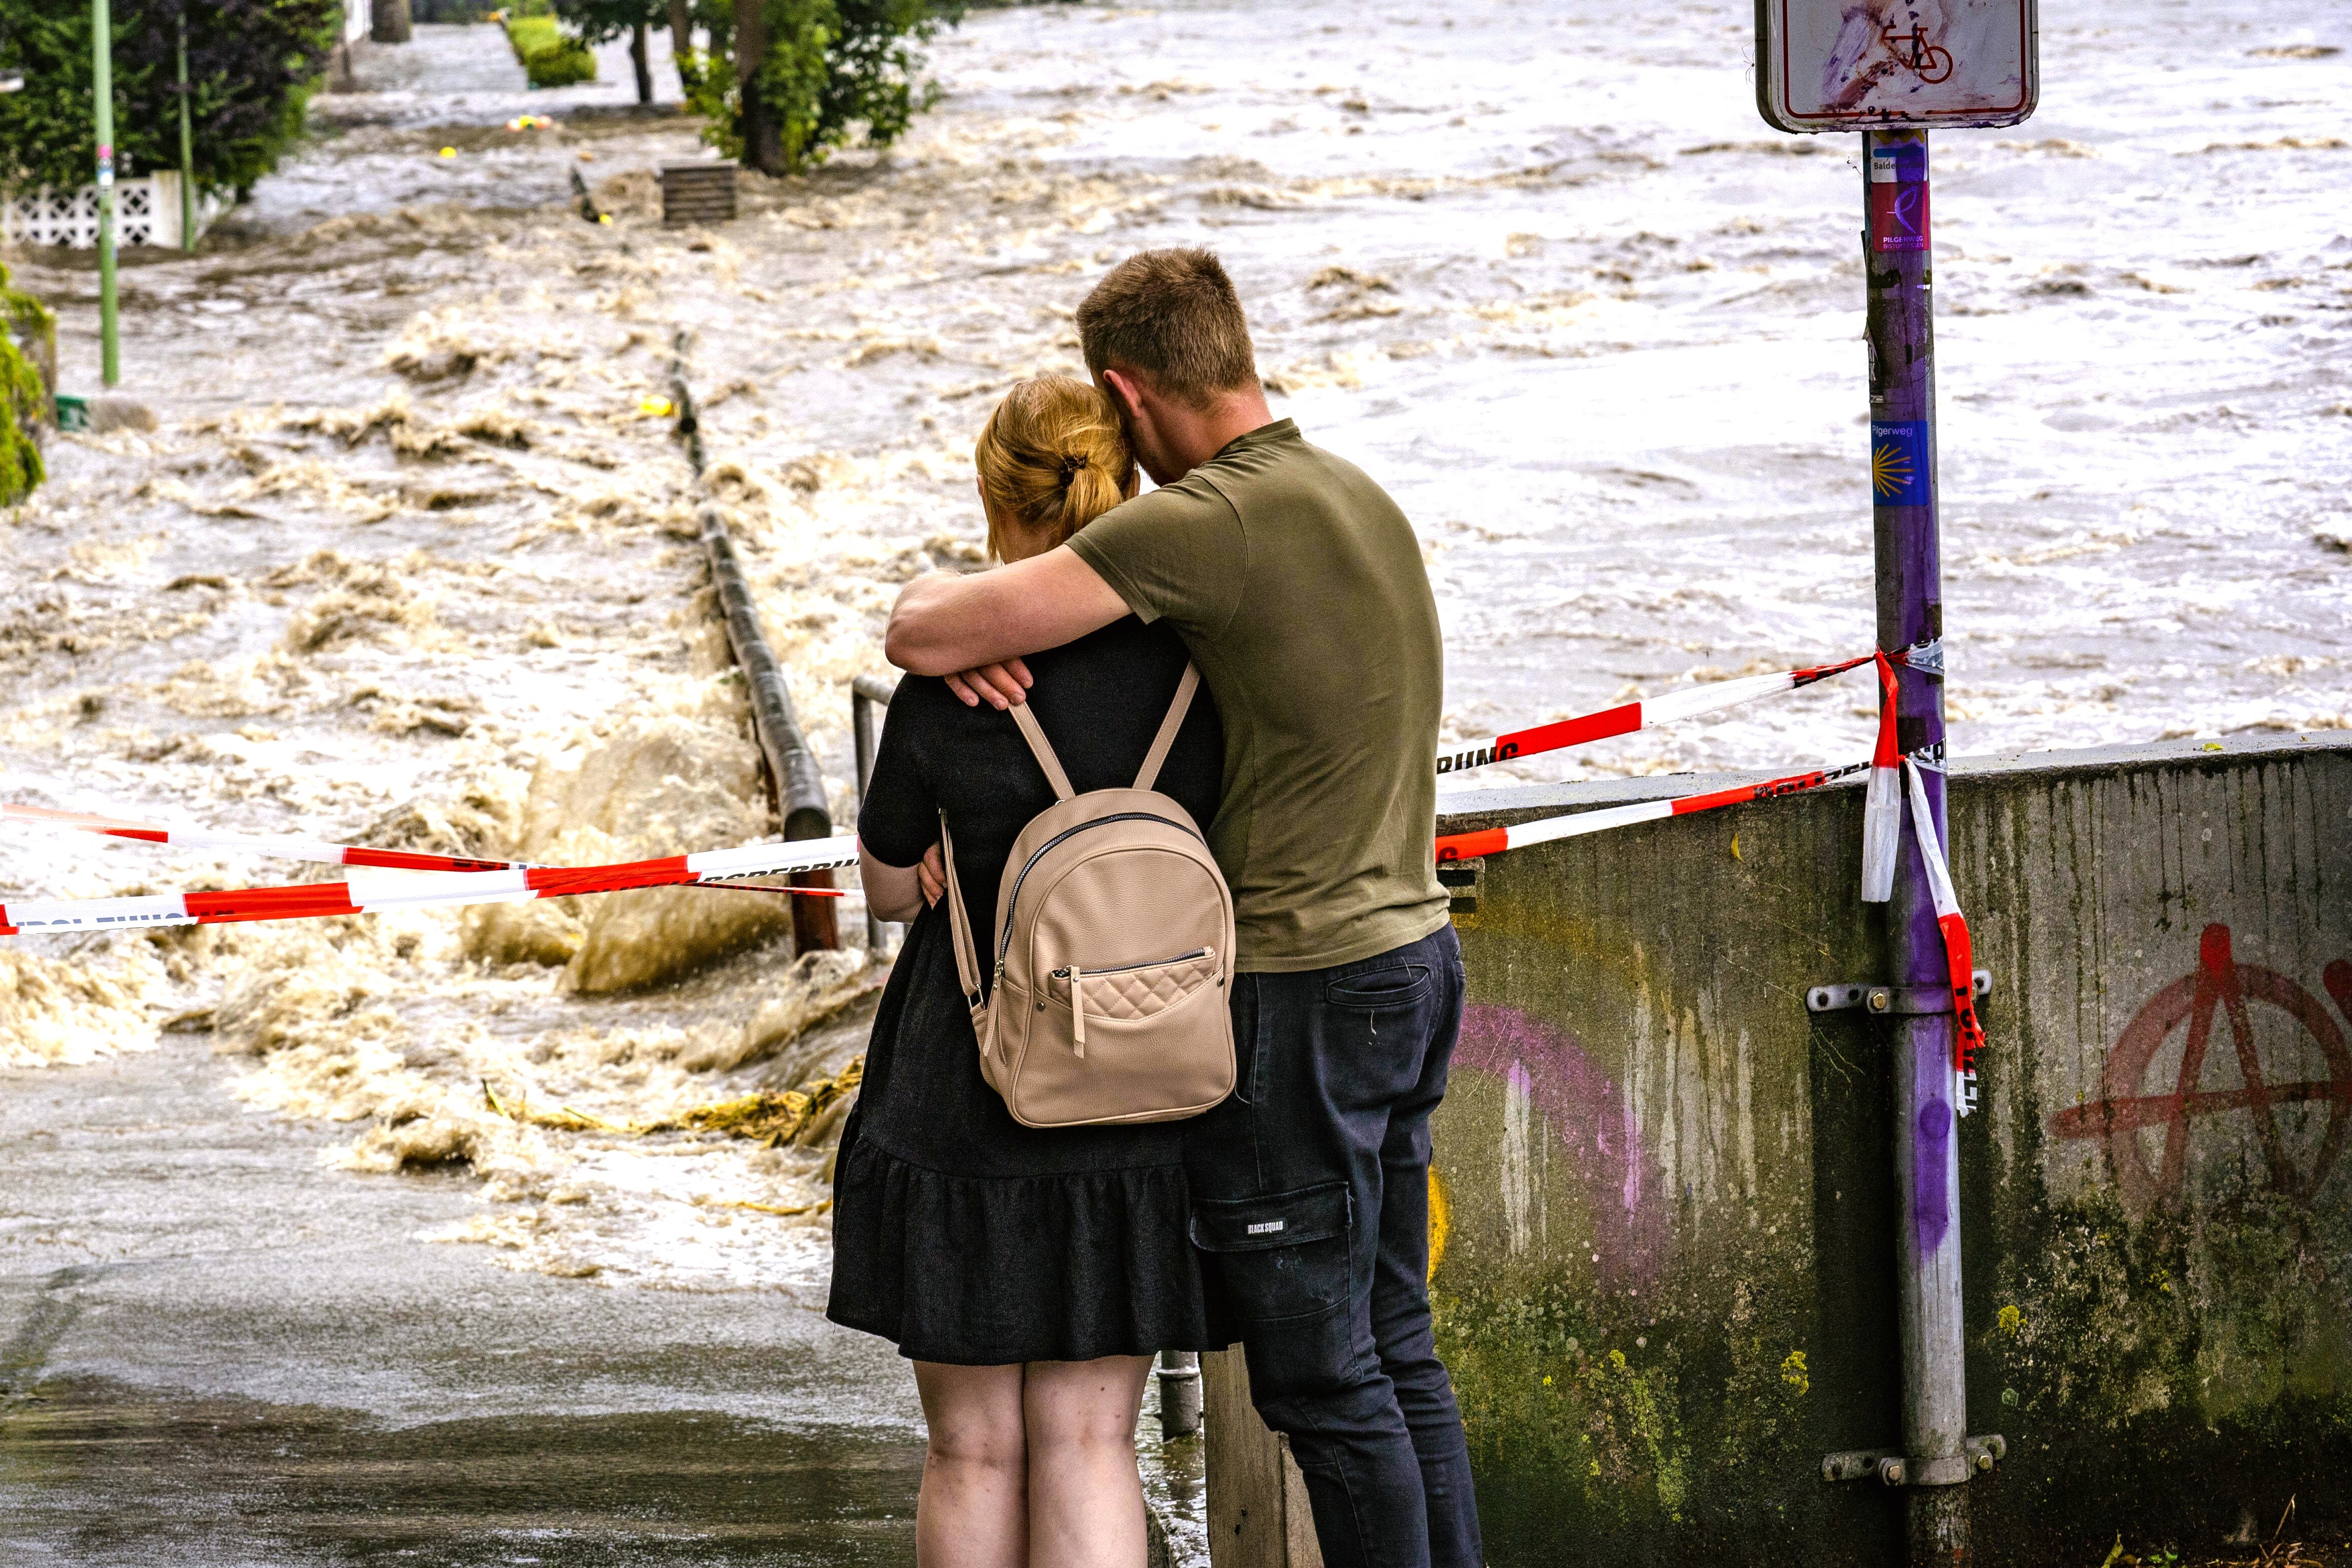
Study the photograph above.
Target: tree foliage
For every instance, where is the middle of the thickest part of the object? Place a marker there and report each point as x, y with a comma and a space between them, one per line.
252, 66
834, 69
601, 21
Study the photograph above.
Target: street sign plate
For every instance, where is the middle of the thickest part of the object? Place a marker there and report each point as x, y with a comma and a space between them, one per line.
1859, 65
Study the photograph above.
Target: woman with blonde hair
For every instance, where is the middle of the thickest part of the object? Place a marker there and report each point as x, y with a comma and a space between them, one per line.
1029, 1274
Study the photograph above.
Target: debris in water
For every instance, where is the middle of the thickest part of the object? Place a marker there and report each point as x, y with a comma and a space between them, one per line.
771, 1119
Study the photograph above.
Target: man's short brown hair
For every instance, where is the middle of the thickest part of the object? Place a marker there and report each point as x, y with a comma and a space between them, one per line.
1173, 315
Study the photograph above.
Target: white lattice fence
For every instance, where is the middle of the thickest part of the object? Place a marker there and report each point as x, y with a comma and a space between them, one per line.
146, 212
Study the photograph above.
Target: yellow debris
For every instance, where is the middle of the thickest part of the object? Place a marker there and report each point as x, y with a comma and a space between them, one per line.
563, 1118
448, 152
651, 407
775, 1119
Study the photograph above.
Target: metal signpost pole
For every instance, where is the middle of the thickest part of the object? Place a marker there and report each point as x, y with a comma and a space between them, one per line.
1899, 267
1884, 68
187, 150
102, 101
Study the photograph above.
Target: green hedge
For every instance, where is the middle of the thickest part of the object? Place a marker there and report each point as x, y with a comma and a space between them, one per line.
550, 56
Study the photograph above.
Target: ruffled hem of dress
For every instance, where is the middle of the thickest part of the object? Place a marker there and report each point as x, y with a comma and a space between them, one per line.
988, 1271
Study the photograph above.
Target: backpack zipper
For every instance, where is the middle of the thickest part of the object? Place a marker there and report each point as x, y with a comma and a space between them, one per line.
1147, 964
1004, 943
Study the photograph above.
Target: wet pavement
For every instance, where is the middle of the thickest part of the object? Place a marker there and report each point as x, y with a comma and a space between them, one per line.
213, 1350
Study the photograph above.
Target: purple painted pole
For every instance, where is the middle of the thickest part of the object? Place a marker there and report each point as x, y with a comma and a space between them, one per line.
1898, 264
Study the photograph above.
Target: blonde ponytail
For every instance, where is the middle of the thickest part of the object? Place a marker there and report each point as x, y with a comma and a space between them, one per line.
1052, 458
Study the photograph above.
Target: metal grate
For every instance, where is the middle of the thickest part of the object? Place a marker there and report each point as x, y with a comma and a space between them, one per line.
697, 193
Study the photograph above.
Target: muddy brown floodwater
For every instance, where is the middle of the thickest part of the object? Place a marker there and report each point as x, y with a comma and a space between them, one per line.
410, 560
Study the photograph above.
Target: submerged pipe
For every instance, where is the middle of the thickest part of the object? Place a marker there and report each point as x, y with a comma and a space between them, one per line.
1898, 265
797, 787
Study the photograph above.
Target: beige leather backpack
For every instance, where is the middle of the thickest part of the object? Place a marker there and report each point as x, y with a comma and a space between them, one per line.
1113, 954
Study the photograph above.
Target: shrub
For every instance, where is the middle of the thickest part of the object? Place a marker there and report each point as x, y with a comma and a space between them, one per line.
28, 352
252, 66
550, 56
834, 70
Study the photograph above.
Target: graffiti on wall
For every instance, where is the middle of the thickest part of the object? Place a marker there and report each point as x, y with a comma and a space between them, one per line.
2297, 1158
1553, 1089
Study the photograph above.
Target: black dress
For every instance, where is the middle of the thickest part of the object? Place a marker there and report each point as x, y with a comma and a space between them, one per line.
958, 1232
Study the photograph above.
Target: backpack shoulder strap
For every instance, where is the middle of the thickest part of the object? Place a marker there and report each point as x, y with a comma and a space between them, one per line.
1149, 775
967, 959
1031, 733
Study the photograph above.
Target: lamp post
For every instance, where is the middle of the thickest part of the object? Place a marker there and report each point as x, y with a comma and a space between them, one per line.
187, 148
101, 92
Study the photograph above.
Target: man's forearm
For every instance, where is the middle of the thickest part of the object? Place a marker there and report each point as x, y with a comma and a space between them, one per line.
943, 623
932, 622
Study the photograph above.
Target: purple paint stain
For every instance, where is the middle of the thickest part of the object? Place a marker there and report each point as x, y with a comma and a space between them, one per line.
1593, 1120
1931, 1162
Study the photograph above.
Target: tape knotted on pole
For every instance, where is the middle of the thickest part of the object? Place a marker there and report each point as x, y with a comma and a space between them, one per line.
1960, 958
1882, 810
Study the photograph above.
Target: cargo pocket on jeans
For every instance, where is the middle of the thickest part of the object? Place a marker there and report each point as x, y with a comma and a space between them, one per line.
1281, 1256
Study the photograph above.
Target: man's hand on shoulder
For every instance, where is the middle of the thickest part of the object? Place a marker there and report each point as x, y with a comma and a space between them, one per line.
980, 625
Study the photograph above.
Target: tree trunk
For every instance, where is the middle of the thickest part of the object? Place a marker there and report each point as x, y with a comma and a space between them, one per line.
388, 22
637, 59
681, 48
763, 142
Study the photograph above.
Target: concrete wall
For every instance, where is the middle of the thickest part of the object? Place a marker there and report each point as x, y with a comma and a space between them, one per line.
1665, 1283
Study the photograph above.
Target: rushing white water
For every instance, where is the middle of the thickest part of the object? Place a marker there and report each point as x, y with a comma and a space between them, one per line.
409, 559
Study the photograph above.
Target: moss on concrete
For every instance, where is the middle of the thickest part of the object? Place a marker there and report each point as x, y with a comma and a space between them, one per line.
1667, 1289
1664, 1440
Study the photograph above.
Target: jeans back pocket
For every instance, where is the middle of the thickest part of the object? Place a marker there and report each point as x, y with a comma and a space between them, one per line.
1379, 990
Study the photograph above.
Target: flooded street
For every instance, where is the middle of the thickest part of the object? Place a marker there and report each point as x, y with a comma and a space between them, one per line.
410, 561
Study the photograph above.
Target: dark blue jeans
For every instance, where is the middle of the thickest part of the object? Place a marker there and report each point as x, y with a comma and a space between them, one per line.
1311, 1196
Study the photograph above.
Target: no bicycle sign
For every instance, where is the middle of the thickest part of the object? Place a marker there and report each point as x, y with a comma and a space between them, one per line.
1862, 65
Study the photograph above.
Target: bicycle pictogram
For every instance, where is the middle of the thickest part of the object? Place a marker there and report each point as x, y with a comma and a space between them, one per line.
2224, 986
1930, 62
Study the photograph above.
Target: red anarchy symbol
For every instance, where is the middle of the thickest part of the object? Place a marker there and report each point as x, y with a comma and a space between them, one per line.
2224, 983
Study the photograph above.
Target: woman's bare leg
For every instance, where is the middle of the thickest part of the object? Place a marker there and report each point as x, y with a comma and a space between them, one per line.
1086, 1501
974, 1508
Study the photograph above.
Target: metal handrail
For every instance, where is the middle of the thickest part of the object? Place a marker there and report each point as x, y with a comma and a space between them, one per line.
867, 693
792, 772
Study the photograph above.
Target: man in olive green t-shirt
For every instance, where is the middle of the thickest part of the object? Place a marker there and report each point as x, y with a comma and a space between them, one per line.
1297, 585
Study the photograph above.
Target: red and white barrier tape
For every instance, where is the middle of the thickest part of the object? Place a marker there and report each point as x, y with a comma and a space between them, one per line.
1651, 712
1968, 1034
276, 846
1647, 714
1494, 840
372, 890
1882, 806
